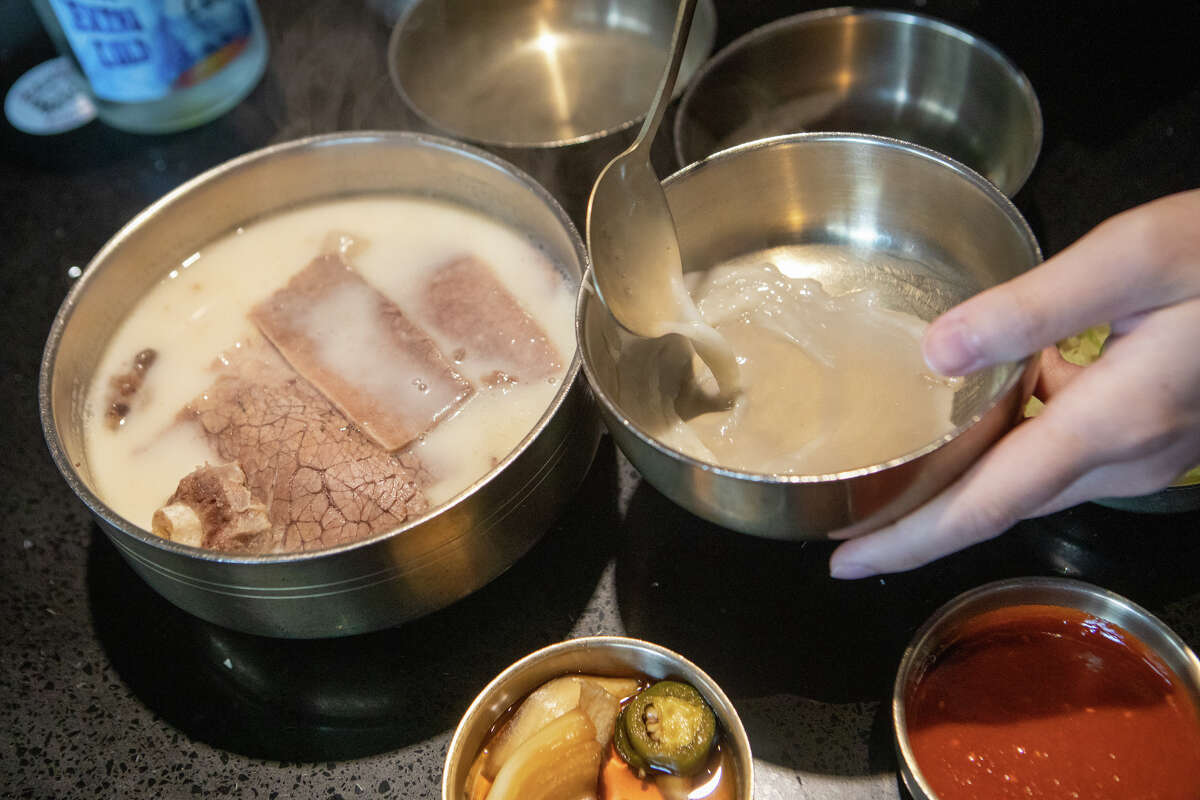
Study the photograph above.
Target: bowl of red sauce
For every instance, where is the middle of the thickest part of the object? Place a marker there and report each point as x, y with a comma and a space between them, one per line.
1047, 688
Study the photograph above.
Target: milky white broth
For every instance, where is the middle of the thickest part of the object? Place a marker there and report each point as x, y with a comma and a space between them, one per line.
828, 383
199, 311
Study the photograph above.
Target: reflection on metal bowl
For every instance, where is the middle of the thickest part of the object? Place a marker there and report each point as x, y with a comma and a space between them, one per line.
424, 565
872, 198
889, 73
1174, 499
557, 88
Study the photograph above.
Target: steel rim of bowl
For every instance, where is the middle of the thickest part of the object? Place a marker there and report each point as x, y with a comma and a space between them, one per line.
1173, 499
703, 6
66, 311
918, 648
944, 161
908, 17
481, 704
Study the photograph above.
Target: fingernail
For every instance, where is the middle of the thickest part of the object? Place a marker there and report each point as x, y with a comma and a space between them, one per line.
950, 348
850, 571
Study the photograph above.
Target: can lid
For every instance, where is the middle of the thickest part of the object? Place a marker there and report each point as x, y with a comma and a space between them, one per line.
50, 98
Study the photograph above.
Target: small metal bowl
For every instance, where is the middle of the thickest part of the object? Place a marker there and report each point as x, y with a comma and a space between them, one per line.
868, 197
889, 73
941, 629
1177, 498
598, 655
556, 87
419, 567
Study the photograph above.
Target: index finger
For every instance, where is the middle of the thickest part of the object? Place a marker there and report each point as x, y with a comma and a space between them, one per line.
1139, 260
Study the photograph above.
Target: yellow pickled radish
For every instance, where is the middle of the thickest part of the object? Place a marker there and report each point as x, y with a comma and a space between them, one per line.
602, 709
559, 762
550, 701
620, 688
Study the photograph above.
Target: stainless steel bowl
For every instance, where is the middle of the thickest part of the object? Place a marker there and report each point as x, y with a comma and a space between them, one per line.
941, 628
1174, 499
554, 86
417, 568
597, 655
889, 73
869, 198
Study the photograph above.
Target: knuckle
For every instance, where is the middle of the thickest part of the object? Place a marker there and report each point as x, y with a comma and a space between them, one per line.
1157, 427
1164, 233
1028, 323
983, 519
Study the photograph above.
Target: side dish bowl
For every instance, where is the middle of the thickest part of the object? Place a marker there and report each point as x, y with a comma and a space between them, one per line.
869, 197
421, 566
947, 624
595, 655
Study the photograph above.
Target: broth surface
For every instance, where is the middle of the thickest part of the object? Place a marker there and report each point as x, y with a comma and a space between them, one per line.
200, 313
827, 383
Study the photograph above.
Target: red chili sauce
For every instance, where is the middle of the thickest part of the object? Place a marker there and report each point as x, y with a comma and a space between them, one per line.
1049, 702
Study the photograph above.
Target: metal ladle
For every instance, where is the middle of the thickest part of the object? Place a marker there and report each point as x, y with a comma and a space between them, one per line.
631, 236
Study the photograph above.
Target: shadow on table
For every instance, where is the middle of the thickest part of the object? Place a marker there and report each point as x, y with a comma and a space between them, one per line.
334, 699
763, 618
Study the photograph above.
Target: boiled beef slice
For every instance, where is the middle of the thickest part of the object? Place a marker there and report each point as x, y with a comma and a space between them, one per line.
360, 350
466, 304
322, 481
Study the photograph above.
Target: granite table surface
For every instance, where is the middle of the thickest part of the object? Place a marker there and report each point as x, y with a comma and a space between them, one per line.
106, 690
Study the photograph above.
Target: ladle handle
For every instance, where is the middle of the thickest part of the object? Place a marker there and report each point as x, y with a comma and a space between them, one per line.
666, 86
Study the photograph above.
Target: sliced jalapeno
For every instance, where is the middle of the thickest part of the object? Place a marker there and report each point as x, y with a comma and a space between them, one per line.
671, 727
625, 749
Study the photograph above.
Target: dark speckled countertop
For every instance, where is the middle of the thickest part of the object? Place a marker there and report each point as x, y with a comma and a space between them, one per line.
108, 691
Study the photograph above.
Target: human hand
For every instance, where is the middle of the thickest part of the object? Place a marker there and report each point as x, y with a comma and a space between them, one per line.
1127, 425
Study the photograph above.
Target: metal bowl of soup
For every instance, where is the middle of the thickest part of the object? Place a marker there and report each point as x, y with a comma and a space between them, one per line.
854, 212
730, 773
1046, 687
890, 73
430, 560
557, 88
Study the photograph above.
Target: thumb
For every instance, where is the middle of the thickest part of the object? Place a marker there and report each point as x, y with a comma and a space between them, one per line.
1134, 262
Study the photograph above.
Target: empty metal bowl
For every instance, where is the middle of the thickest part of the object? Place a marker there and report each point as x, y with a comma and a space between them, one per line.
597, 655
427, 563
922, 231
889, 73
941, 629
555, 87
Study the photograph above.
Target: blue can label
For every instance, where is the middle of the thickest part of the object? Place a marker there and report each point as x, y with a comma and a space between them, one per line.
138, 50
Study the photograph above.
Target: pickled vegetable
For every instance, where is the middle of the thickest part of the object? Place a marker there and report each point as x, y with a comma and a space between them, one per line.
570, 739
671, 727
625, 750
559, 762
1084, 348
1189, 477
552, 700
